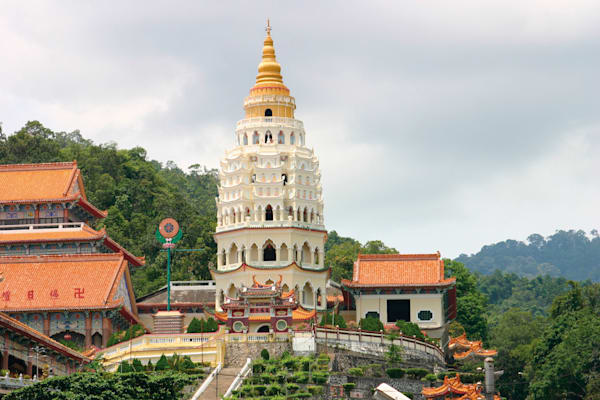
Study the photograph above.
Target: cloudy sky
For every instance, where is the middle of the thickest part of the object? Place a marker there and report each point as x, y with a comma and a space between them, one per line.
439, 125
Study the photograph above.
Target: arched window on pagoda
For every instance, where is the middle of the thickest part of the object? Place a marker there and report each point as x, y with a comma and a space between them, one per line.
269, 253
305, 215
292, 138
281, 138
255, 138
269, 213
245, 139
283, 253
268, 112
268, 137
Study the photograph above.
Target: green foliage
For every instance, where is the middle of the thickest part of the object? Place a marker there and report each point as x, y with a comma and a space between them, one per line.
371, 324
417, 373
395, 373
570, 254
125, 367
332, 319
300, 377
273, 390
410, 329
292, 387
105, 386
264, 353
315, 390
162, 364
266, 378
341, 252
137, 365
471, 304
319, 377
258, 367
393, 355
375, 370
356, 371
200, 325
259, 390
349, 386
430, 378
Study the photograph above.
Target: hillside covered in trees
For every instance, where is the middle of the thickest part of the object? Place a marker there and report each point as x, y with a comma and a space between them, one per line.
571, 254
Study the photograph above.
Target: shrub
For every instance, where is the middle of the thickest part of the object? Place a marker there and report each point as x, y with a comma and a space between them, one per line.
315, 390
394, 355
292, 387
395, 373
376, 370
301, 395
125, 367
271, 369
410, 329
266, 378
430, 377
357, 371
323, 359
280, 376
246, 389
258, 367
300, 377
349, 386
149, 366
371, 324
472, 378
162, 364
285, 354
264, 353
320, 377
200, 325
291, 364
137, 365
259, 390
417, 373
195, 326
273, 390
333, 319
305, 363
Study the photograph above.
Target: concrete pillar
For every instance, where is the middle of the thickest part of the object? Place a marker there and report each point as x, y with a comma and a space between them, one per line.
106, 330
30, 368
321, 258
37, 214
88, 330
5, 359
278, 254
47, 324
239, 255
261, 255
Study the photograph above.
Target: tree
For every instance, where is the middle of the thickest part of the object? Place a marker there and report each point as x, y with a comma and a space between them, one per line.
371, 324
162, 364
393, 356
195, 326
333, 319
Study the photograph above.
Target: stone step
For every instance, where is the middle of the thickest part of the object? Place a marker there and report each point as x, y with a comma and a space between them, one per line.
220, 384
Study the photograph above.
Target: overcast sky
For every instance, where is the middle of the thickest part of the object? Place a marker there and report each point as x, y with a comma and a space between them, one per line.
439, 125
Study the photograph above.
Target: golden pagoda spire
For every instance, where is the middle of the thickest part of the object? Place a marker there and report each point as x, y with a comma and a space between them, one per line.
269, 70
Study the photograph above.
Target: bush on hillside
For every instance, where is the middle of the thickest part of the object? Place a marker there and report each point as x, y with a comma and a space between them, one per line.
395, 373
333, 319
371, 324
162, 364
264, 353
410, 329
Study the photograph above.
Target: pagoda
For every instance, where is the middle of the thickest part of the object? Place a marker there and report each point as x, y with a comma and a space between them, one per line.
270, 206
58, 275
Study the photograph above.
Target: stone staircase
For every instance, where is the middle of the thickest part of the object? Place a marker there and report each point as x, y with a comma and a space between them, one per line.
220, 384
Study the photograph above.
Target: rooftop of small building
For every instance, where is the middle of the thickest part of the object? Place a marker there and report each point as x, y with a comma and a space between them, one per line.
396, 270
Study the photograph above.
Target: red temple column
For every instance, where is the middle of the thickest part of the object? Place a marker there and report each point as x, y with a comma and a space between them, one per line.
5, 352
106, 330
88, 330
47, 324
30, 368
66, 215
37, 214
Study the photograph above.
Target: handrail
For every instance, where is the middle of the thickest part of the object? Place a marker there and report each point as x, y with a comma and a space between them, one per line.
207, 382
239, 378
55, 225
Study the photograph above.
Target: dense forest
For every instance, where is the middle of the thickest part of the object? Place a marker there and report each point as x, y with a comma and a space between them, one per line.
545, 328
571, 254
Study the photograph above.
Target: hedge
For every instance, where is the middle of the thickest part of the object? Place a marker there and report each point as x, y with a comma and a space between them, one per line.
395, 373
371, 324
417, 373
357, 371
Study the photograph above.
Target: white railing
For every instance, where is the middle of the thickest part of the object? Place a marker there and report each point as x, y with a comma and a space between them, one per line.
206, 382
270, 224
258, 337
239, 378
269, 121
358, 336
31, 227
184, 339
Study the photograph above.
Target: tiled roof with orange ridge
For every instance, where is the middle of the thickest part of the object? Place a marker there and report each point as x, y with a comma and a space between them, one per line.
62, 282
46, 235
453, 386
47, 182
394, 270
221, 316
24, 330
302, 314
68, 235
472, 348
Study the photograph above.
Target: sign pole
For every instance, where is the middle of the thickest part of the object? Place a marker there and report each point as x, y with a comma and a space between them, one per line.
169, 279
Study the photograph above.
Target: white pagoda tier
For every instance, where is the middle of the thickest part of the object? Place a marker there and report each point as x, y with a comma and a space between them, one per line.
270, 205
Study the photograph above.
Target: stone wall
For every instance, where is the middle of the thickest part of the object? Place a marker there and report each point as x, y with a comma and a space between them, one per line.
366, 385
237, 353
343, 359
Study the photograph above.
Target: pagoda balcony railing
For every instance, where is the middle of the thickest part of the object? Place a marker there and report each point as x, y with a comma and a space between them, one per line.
270, 224
50, 226
269, 122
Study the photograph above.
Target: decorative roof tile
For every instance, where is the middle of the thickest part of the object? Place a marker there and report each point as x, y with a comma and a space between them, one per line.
26, 182
393, 270
61, 282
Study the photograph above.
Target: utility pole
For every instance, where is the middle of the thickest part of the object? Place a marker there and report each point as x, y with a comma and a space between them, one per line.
490, 378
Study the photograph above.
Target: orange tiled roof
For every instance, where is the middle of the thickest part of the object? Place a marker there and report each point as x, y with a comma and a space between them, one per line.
24, 330
26, 182
55, 235
381, 270
49, 182
453, 386
472, 348
60, 282
301, 314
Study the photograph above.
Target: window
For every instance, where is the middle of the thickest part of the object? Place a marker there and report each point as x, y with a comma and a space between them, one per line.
292, 138
425, 315
245, 139
238, 326
398, 310
372, 314
268, 112
268, 137
282, 325
255, 138
281, 138
269, 212
269, 253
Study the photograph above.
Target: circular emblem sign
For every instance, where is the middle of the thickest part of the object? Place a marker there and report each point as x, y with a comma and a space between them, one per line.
168, 228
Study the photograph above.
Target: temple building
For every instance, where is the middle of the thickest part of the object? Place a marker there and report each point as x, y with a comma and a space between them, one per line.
409, 287
58, 275
270, 206
263, 308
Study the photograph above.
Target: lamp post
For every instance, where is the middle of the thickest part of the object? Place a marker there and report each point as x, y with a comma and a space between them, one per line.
168, 233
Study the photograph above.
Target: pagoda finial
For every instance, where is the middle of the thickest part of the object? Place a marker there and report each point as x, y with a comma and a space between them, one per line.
269, 70
268, 28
